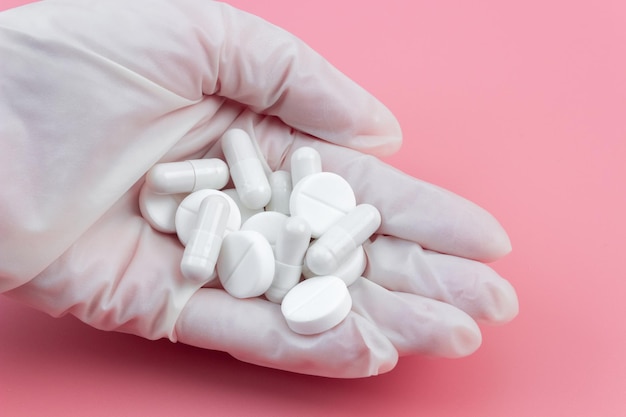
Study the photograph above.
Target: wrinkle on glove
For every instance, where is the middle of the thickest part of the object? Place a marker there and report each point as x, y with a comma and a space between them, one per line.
400, 265
354, 348
415, 324
121, 275
96, 92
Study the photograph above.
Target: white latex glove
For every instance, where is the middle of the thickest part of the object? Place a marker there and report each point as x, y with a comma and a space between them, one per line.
94, 93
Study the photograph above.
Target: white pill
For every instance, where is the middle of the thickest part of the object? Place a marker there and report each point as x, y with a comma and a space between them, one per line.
205, 240
328, 252
159, 210
280, 183
321, 199
246, 169
246, 264
187, 213
349, 271
304, 161
187, 176
267, 223
316, 305
291, 245
245, 212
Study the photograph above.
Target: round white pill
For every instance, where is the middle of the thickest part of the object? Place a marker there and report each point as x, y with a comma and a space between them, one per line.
267, 223
245, 266
316, 305
245, 212
349, 271
321, 199
187, 213
159, 210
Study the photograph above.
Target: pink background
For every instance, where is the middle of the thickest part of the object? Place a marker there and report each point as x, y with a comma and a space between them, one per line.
519, 106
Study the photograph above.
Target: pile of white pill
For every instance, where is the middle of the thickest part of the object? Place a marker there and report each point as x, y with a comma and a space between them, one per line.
295, 237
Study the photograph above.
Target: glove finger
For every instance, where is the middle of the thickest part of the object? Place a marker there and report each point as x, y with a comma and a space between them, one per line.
253, 330
268, 69
475, 288
411, 209
416, 324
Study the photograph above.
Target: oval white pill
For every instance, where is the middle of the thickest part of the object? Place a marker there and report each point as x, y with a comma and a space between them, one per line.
316, 305
321, 199
349, 271
304, 161
159, 210
267, 223
245, 266
328, 252
205, 240
280, 183
187, 176
246, 169
187, 213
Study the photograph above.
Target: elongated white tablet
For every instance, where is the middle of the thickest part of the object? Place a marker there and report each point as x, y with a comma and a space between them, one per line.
205, 240
349, 271
304, 161
291, 245
280, 183
321, 199
328, 252
246, 169
316, 305
245, 266
187, 176
187, 213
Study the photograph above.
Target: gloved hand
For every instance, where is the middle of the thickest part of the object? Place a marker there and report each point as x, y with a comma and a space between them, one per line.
93, 93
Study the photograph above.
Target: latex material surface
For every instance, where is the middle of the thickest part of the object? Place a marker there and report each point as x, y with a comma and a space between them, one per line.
530, 97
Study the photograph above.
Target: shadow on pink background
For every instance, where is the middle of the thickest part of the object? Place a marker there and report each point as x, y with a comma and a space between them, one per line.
518, 106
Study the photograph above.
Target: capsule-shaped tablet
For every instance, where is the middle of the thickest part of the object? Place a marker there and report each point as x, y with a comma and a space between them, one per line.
205, 240
246, 264
280, 183
187, 176
187, 213
246, 169
291, 245
304, 161
350, 270
328, 252
316, 305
